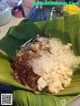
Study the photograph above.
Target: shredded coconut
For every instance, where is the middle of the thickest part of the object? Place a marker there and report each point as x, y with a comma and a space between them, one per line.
60, 54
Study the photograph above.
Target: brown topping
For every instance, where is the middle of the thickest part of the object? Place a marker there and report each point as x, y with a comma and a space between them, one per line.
23, 71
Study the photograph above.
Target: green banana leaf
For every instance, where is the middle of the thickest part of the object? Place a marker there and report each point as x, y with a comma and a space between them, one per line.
17, 36
67, 29
23, 98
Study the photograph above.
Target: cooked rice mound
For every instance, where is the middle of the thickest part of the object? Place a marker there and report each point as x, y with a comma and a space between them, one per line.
49, 65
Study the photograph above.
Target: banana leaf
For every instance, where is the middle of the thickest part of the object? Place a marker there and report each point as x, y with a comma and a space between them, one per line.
23, 98
67, 29
17, 36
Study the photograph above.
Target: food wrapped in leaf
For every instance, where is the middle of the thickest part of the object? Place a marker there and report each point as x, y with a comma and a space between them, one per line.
67, 29
45, 65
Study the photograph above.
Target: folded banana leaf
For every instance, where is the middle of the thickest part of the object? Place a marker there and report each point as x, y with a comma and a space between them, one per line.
23, 98
17, 36
67, 29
